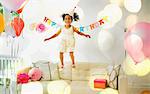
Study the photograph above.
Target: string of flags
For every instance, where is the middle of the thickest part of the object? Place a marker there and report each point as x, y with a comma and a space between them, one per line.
90, 27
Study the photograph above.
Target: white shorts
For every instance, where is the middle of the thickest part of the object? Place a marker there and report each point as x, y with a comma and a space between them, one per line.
67, 45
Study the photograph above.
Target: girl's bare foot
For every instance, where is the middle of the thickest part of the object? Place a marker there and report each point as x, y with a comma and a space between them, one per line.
61, 67
73, 66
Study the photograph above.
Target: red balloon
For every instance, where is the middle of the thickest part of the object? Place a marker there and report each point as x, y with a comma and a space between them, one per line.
18, 25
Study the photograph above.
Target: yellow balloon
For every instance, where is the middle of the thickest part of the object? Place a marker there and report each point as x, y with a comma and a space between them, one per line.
2, 23
140, 69
143, 68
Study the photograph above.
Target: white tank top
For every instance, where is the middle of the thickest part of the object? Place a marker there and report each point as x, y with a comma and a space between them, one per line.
67, 33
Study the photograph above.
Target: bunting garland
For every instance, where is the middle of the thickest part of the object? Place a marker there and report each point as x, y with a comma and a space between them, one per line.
81, 29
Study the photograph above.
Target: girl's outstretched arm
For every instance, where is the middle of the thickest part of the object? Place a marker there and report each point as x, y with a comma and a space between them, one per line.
80, 33
55, 35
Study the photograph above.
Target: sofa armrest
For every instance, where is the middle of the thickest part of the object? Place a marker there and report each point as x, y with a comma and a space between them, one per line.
123, 84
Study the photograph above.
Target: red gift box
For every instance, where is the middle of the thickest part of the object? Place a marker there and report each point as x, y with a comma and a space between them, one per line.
100, 83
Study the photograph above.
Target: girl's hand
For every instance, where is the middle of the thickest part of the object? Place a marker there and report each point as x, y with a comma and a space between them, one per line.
46, 39
88, 36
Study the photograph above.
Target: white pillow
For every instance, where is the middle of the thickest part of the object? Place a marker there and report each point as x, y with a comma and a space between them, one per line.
49, 70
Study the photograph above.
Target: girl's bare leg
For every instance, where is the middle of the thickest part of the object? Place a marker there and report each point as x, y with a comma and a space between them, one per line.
62, 59
72, 59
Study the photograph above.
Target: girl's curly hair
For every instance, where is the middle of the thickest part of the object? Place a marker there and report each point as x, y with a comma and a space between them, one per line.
75, 16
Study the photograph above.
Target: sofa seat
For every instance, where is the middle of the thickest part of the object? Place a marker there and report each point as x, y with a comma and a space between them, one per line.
82, 87
58, 87
40, 87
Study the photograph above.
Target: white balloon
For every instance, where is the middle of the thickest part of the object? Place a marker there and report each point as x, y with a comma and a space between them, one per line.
112, 18
114, 12
133, 5
105, 41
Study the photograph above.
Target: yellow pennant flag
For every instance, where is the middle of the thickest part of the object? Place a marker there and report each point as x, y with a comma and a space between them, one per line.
105, 18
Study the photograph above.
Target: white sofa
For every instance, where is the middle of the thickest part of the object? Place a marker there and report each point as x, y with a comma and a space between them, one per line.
134, 84
68, 81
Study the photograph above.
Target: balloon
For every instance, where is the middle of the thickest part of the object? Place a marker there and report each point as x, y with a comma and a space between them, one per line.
129, 66
143, 68
18, 25
2, 23
105, 41
117, 12
133, 6
133, 45
111, 19
138, 57
137, 41
140, 69
13, 5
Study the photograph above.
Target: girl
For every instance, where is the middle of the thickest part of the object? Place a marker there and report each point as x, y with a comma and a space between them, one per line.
67, 43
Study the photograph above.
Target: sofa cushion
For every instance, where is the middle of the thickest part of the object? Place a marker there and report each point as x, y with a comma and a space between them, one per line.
65, 74
54, 71
32, 88
81, 72
84, 71
49, 70
58, 87
37, 87
82, 87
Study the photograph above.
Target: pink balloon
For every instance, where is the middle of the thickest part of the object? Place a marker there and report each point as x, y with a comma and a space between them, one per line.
12, 5
137, 57
142, 30
133, 43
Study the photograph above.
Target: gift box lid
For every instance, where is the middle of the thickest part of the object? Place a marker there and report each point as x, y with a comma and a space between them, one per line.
100, 80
